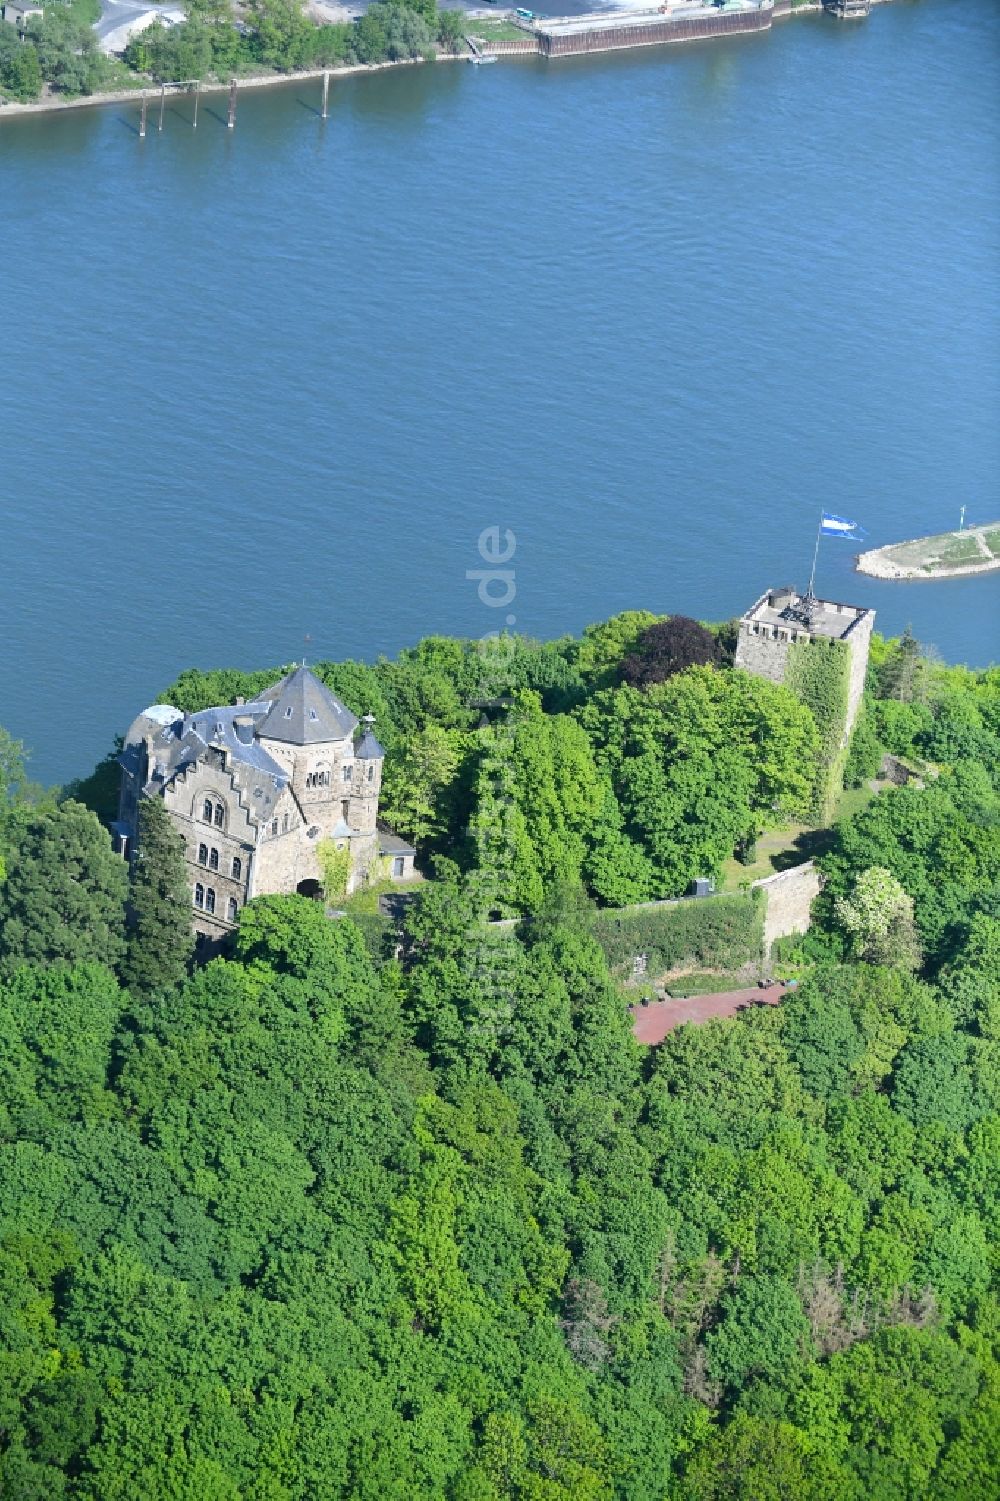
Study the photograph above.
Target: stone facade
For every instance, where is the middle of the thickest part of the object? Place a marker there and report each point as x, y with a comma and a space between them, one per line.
256, 791
789, 896
781, 617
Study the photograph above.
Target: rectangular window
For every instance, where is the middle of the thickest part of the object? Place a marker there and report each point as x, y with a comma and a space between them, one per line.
233, 908
219, 815
348, 773
213, 859
210, 900
237, 868
199, 895
398, 865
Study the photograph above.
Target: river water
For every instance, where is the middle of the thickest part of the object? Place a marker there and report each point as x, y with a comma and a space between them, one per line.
648, 312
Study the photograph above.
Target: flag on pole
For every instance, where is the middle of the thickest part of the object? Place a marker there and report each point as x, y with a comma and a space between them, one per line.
839, 526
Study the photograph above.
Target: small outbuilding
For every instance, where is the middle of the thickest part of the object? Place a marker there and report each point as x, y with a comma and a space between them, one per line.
399, 855
19, 12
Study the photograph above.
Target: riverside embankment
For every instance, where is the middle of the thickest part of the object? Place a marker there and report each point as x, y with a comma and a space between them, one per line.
55, 102
619, 29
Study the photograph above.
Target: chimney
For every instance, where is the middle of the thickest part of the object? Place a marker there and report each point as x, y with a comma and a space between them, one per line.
239, 699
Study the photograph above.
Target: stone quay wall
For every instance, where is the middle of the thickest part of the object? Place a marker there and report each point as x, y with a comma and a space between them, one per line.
652, 33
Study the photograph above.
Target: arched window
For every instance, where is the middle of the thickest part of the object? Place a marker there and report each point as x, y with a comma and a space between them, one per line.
234, 907
206, 811
203, 854
213, 859
199, 895
237, 868
210, 900
220, 815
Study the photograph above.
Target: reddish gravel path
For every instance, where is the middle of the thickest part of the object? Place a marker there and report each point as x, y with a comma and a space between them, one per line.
653, 1022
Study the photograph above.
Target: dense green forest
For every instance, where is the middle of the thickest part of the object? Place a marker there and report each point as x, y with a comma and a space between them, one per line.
356, 1213
59, 48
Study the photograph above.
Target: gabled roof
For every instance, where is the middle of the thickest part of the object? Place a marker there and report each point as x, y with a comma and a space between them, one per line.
304, 712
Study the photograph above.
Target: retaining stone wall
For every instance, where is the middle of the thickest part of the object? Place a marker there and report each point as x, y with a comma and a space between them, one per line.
789, 895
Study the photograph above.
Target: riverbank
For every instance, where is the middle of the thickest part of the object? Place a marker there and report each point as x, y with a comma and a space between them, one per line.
51, 103
54, 103
975, 549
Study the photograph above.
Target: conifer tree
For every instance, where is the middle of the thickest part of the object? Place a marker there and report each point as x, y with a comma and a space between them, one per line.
160, 938
902, 674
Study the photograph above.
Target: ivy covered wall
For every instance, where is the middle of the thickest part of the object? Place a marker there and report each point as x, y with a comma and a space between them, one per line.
818, 672
716, 932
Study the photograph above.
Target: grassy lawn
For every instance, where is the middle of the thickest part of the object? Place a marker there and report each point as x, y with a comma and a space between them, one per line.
950, 550
779, 849
992, 540
957, 550
497, 31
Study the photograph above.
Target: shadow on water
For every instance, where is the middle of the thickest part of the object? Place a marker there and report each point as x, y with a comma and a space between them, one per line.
128, 124
310, 108
208, 110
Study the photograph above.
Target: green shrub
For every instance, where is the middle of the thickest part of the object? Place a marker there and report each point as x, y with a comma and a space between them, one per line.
719, 932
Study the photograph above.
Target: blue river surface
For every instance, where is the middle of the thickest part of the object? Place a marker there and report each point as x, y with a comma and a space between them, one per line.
649, 312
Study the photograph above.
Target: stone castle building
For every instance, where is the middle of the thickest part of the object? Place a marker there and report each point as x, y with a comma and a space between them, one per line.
782, 617
254, 790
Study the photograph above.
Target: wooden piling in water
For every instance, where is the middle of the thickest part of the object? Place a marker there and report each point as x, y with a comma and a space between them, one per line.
231, 122
142, 120
163, 97
326, 96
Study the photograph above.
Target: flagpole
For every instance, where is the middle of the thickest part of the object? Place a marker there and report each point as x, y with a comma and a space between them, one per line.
812, 576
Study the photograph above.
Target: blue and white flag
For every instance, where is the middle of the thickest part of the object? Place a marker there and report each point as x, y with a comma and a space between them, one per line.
839, 526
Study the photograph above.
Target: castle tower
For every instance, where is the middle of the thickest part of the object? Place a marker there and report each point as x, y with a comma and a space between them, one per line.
367, 781
310, 731
783, 623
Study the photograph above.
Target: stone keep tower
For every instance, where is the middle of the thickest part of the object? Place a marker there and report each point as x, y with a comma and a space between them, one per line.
781, 618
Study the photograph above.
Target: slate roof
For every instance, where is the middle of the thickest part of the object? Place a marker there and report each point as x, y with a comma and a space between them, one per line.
369, 748
304, 712
391, 844
190, 737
